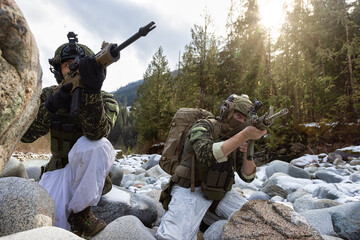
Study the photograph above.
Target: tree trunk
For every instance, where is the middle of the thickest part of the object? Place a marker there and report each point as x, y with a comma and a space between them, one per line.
350, 85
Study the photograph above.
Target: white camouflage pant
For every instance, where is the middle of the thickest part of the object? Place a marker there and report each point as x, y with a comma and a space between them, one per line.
187, 209
79, 184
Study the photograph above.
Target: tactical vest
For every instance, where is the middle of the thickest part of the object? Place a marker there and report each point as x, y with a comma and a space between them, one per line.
215, 180
64, 131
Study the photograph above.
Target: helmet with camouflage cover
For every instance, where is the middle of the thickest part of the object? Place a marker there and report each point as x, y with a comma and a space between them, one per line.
235, 103
68, 51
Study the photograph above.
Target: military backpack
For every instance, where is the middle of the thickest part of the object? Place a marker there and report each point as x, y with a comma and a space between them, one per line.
180, 124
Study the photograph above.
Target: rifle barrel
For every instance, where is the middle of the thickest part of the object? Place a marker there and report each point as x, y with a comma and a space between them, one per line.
278, 114
143, 31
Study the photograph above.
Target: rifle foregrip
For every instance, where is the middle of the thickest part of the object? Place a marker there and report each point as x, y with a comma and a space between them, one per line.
75, 102
250, 150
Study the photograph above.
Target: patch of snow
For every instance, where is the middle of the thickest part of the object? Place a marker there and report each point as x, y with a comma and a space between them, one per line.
116, 195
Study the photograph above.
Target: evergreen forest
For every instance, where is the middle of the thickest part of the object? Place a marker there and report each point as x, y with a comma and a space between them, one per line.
312, 68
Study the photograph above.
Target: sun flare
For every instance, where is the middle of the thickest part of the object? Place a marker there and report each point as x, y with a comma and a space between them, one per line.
272, 14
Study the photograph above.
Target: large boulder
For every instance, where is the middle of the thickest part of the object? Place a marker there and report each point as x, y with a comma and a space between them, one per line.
20, 78
284, 167
120, 202
336, 191
345, 226
329, 221
281, 184
24, 205
43, 233
33, 172
345, 154
215, 230
125, 228
155, 195
117, 174
297, 194
328, 176
14, 168
264, 219
355, 177
153, 161
307, 202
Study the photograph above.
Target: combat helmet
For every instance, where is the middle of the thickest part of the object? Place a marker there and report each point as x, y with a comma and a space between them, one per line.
235, 103
67, 51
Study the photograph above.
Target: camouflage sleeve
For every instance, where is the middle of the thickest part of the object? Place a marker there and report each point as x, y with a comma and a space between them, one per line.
202, 140
41, 125
98, 114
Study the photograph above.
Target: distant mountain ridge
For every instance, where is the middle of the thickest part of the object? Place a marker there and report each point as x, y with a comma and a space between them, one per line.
127, 94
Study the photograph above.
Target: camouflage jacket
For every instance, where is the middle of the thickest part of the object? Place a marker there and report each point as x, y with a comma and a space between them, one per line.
201, 137
98, 115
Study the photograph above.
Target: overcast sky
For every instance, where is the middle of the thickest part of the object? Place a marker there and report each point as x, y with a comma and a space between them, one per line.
115, 21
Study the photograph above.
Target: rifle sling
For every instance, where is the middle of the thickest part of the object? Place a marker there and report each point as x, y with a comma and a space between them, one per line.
234, 159
192, 184
213, 206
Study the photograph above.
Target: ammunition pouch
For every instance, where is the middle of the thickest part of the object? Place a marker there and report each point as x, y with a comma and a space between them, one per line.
182, 177
63, 137
65, 127
217, 184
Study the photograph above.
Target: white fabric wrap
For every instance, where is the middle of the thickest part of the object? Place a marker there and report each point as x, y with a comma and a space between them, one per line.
79, 184
218, 153
187, 209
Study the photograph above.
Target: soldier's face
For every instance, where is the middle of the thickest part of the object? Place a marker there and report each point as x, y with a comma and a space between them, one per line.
239, 117
237, 120
65, 67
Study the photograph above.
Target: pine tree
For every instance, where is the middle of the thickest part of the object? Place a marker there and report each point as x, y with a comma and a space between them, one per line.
197, 81
123, 135
339, 50
153, 108
292, 63
243, 56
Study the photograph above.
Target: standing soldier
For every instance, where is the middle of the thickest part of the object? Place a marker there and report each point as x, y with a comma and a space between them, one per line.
81, 155
215, 144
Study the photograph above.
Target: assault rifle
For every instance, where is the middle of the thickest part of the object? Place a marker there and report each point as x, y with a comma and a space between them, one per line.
108, 54
262, 122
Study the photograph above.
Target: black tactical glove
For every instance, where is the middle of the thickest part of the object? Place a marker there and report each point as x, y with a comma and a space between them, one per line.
61, 99
92, 74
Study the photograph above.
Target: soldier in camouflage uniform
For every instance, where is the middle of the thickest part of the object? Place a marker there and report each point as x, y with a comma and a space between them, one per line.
81, 155
216, 145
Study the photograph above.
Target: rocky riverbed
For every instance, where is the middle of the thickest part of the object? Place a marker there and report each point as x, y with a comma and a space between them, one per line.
322, 192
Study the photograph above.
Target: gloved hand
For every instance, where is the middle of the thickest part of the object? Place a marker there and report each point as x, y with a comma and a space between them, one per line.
92, 74
61, 99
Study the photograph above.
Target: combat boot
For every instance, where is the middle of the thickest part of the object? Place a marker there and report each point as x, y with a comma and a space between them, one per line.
84, 223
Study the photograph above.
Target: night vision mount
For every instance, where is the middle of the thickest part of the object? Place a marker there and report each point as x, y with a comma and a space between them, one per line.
257, 105
72, 37
72, 49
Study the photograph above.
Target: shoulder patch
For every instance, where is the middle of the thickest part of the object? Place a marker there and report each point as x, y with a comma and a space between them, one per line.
197, 132
195, 129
